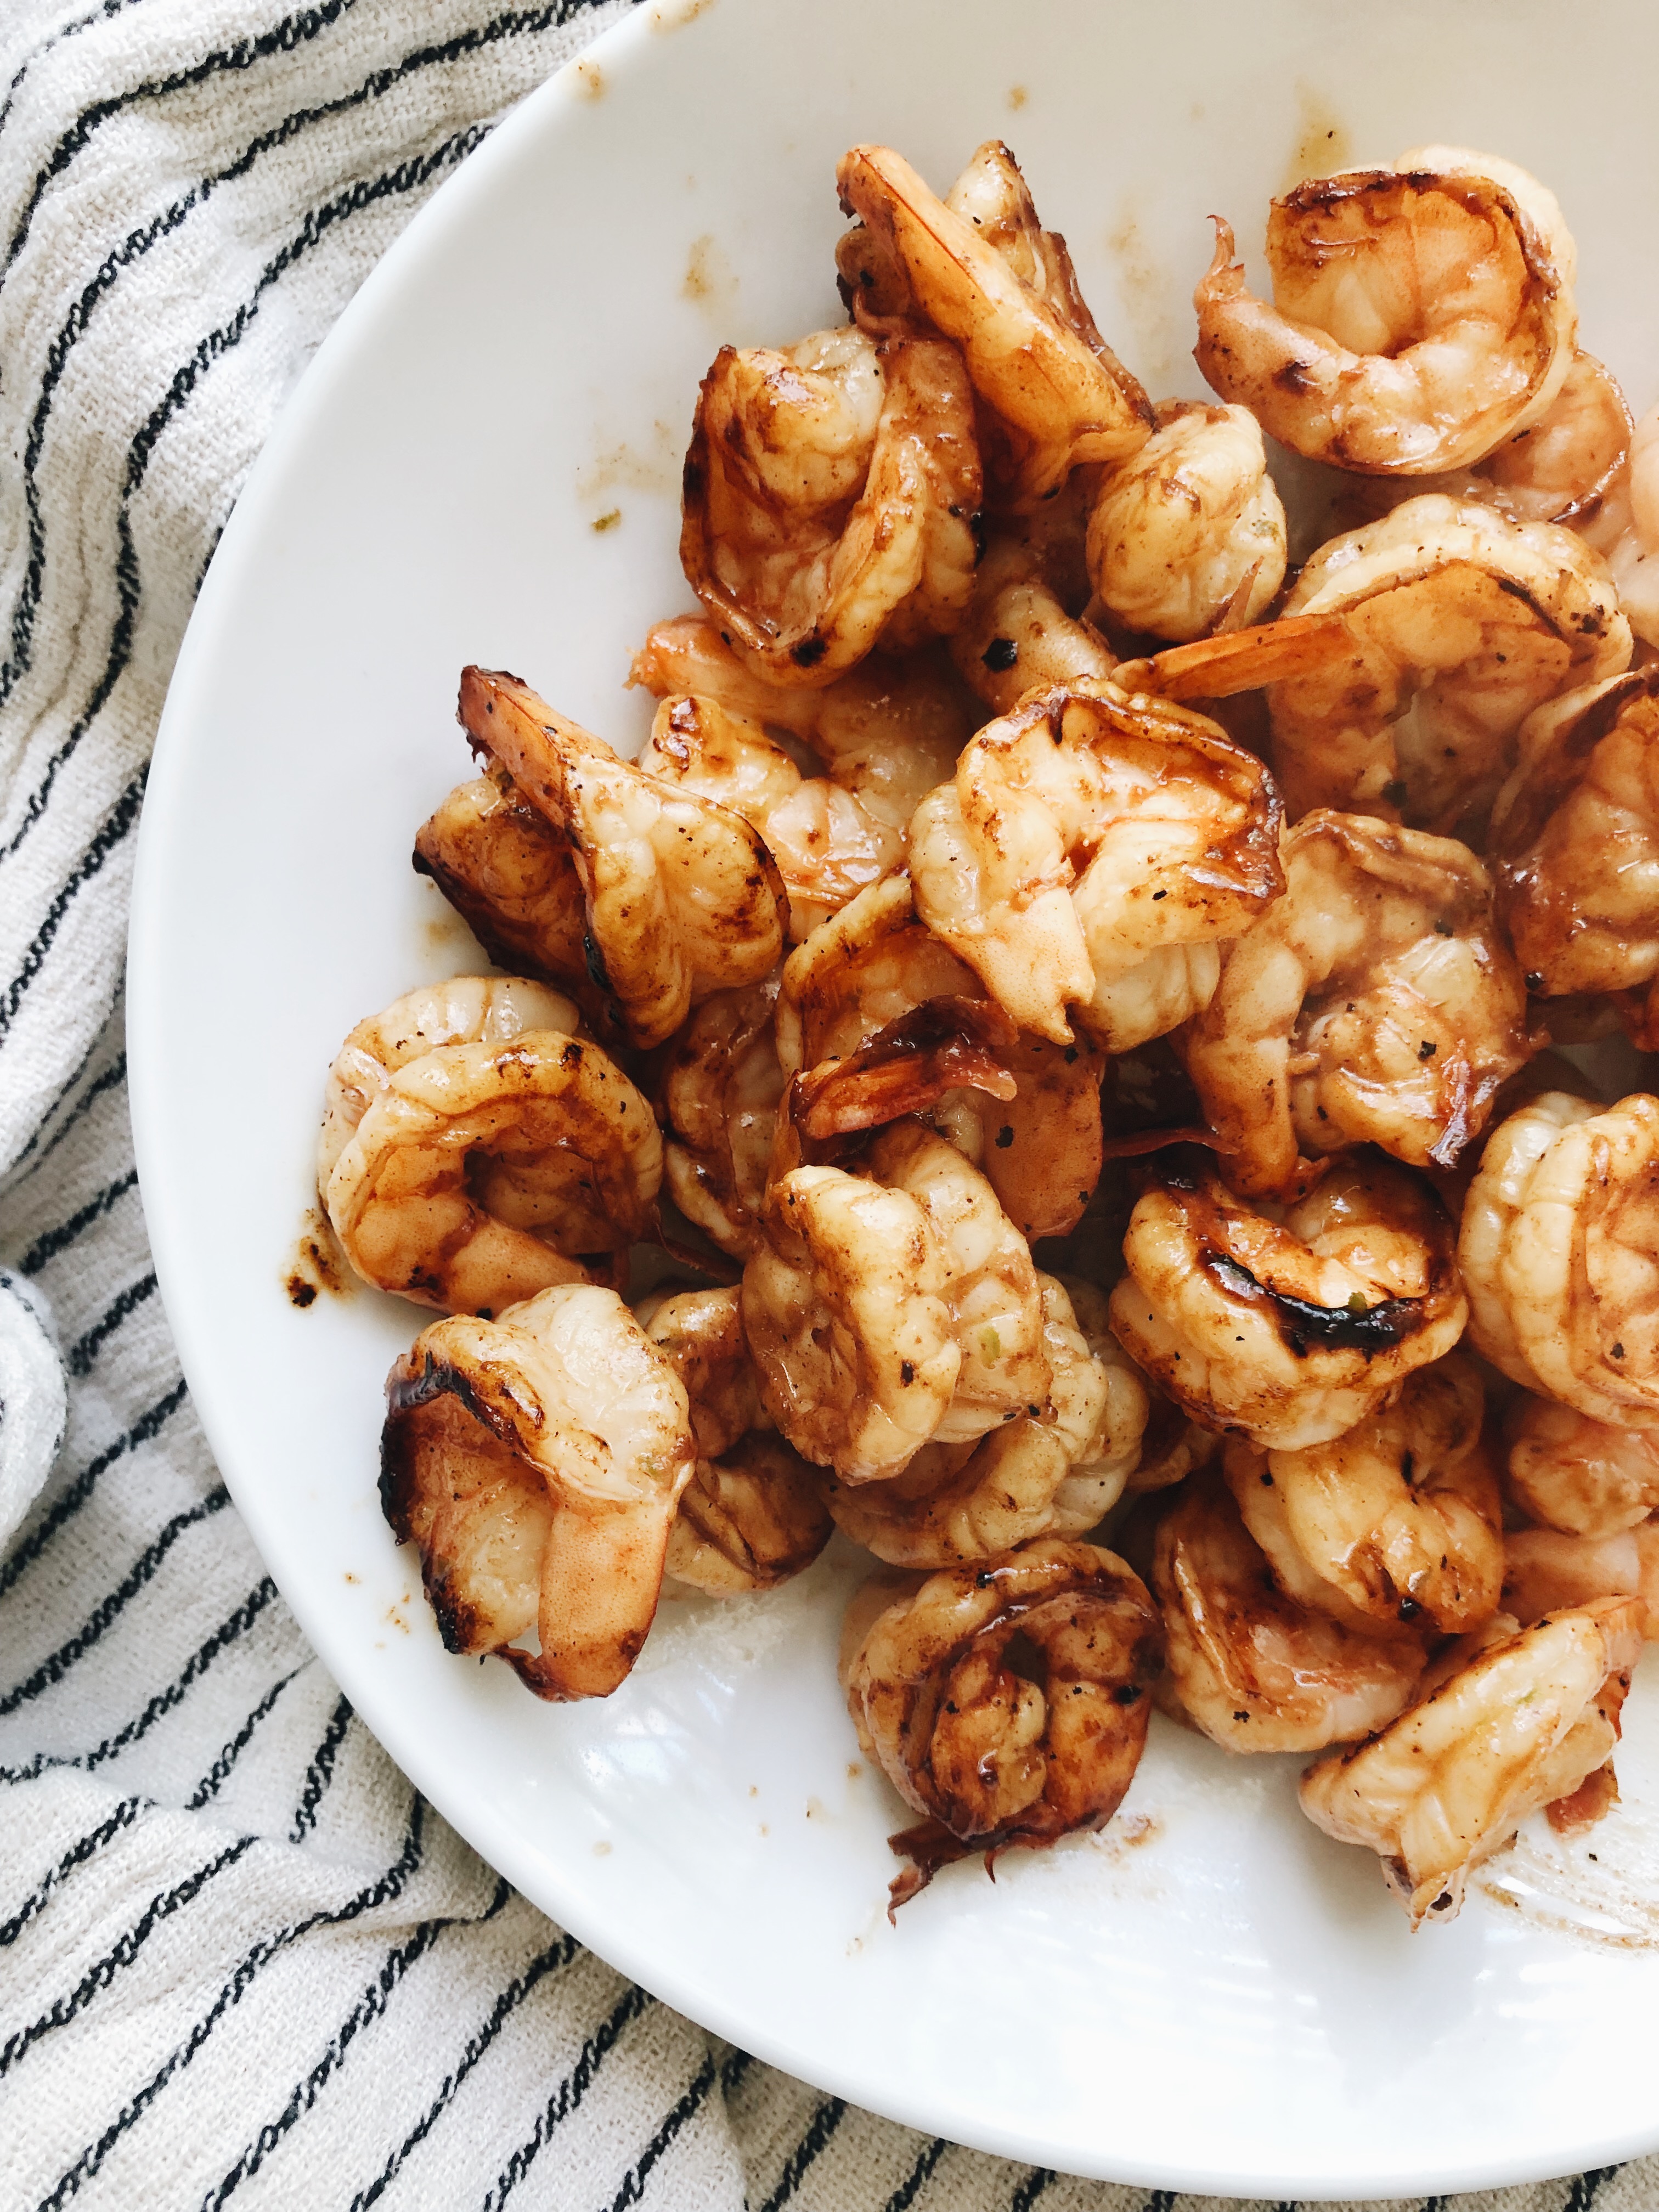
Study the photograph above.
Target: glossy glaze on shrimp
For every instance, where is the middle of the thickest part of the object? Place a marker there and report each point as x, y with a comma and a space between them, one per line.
1559, 1251
1462, 623
827, 496
721, 1090
683, 898
537, 1460
1092, 852
1522, 1725
1582, 1477
1286, 1323
1420, 315
1007, 1701
1375, 1002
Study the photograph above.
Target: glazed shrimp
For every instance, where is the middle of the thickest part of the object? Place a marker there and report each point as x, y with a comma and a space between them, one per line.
485, 1172
1520, 1726
991, 1756
826, 847
1462, 623
892, 1308
537, 1460
827, 496
683, 898
1018, 635
1575, 840
1255, 1671
1375, 1002
1093, 851
752, 1515
512, 879
720, 1093
1557, 1252
1582, 1477
1038, 1146
1400, 1516
465, 1010
887, 731
1286, 1324
1420, 316
1033, 355
1565, 466
1625, 530
1058, 1474
1546, 1571
1190, 530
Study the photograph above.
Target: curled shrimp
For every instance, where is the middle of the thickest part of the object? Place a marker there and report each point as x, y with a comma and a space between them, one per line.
1575, 840
1375, 1002
1522, 1725
826, 847
721, 1091
1059, 1474
1286, 1323
683, 898
1557, 1251
1190, 530
465, 1010
1018, 635
1092, 852
1546, 1572
1582, 1477
512, 877
887, 731
536, 1460
1035, 358
485, 1172
1420, 315
1255, 1670
1626, 529
1037, 1139
1397, 1519
828, 494
892, 1308
1564, 468
752, 1515
1007, 1701
1461, 623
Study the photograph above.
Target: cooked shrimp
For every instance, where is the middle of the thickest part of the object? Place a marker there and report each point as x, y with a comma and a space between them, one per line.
1420, 316
720, 1092
1558, 1251
1575, 840
1033, 354
1545, 1572
1007, 1701
512, 877
1253, 1668
1580, 1476
1399, 1517
828, 496
753, 1514
1092, 851
485, 1172
1287, 1324
536, 1460
1462, 622
1625, 530
1058, 1474
1039, 1148
1564, 468
887, 731
1520, 1726
465, 1010
1191, 529
1171, 1448
1019, 635
683, 897
1375, 1002
826, 847
890, 1309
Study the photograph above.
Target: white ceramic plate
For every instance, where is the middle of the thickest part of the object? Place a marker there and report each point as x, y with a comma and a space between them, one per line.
1210, 1995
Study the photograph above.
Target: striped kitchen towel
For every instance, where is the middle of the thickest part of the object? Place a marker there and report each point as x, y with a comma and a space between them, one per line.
239, 1956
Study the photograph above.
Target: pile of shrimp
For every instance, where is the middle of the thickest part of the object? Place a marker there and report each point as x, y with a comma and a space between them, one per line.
1043, 1068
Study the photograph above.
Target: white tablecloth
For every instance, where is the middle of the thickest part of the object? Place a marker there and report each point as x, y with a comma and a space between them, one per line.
239, 1956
